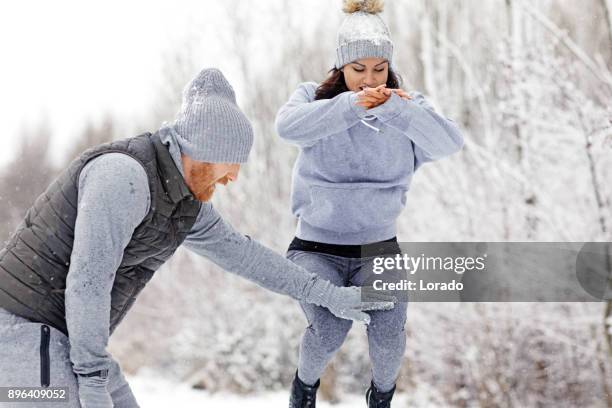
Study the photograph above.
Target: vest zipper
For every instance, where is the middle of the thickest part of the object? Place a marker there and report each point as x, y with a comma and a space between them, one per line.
45, 369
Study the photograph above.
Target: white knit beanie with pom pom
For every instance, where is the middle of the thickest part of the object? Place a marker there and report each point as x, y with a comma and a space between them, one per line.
363, 34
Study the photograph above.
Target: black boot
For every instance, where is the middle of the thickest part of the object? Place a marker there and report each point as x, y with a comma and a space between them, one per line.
377, 399
303, 395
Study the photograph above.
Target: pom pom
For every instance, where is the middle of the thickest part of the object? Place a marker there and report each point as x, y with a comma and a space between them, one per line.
366, 6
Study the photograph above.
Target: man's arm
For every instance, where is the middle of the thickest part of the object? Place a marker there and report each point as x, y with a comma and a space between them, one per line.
113, 199
216, 240
303, 121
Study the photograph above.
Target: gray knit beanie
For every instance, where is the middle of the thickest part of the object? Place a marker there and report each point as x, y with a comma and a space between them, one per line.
363, 34
210, 126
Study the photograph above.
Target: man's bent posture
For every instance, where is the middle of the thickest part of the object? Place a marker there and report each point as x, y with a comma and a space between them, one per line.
95, 237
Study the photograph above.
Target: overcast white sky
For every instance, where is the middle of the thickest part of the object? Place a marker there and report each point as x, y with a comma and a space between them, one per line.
68, 61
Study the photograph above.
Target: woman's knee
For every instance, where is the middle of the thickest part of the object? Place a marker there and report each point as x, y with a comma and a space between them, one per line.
329, 330
388, 325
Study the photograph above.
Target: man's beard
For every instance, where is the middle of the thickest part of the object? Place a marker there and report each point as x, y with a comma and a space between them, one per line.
206, 194
203, 184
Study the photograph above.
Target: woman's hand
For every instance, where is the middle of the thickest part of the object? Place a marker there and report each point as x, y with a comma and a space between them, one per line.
401, 93
372, 97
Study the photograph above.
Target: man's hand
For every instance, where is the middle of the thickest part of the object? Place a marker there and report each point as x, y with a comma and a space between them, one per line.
346, 302
93, 393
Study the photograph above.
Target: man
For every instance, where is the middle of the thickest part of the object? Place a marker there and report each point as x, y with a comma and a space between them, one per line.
95, 237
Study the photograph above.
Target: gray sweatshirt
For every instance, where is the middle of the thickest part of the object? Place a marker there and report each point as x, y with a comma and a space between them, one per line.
355, 166
113, 199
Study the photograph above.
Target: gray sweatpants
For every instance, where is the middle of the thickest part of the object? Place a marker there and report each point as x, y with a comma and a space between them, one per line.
326, 332
21, 364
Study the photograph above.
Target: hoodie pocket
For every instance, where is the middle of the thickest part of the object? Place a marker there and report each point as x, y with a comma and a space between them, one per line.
353, 209
45, 360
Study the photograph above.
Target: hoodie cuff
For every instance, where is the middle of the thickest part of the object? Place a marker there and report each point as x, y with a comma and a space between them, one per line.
360, 111
393, 107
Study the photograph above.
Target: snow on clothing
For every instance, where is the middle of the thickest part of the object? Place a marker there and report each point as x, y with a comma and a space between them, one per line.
210, 127
355, 166
363, 34
326, 333
349, 186
113, 199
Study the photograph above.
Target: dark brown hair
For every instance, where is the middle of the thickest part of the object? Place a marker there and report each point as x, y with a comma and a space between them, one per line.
335, 84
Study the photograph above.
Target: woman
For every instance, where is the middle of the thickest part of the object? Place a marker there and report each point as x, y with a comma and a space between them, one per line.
361, 139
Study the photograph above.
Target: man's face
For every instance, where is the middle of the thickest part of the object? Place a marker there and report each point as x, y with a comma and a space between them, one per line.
201, 177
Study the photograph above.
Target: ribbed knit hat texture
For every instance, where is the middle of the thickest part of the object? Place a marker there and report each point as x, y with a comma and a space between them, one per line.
363, 33
210, 126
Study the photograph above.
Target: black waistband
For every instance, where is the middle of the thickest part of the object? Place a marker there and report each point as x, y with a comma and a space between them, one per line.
386, 247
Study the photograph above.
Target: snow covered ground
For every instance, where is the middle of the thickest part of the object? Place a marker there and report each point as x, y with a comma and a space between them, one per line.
154, 392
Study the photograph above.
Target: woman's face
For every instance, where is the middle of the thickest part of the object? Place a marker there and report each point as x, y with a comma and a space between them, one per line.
366, 72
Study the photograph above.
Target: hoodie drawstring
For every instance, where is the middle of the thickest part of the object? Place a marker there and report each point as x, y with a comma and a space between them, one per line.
370, 117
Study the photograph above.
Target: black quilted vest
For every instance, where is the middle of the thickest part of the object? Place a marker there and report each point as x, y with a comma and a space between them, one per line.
36, 259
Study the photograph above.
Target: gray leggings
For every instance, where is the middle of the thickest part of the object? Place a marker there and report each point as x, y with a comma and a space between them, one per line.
326, 332
20, 362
